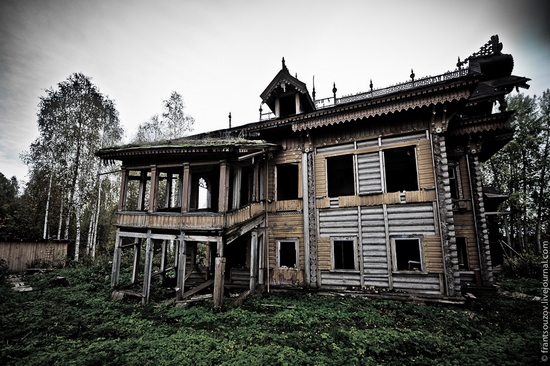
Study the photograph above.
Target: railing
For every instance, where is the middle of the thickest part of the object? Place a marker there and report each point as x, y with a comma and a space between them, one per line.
189, 220
429, 80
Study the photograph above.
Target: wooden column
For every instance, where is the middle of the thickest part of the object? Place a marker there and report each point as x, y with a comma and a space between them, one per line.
116, 261
223, 198
180, 275
137, 252
219, 275
153, 192
185, 188
148, 267
141, 194
254, 258
237, 181
163, 260
123, 190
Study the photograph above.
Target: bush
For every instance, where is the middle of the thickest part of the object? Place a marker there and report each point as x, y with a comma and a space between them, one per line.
525, 264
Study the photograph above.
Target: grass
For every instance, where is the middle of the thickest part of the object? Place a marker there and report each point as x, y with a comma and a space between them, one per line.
78, 325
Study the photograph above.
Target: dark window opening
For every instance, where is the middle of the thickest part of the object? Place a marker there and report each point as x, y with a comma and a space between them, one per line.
138, 187
407, 255
401, 174
247, 184
453, 183
462, 253
340, 176
168, 192
287, 182
287, 105
287, 254
344, 257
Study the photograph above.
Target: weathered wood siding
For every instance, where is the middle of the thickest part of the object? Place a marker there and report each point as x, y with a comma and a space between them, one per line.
417, 219
464, 228
285, 226
21, 255
377, 224
422, 283
375, 247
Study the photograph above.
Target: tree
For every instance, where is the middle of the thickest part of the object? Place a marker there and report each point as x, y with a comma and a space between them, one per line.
9, 189
521, 170
74, 121
173, 123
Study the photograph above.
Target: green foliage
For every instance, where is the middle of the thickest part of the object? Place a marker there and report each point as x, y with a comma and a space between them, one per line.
79, 325
9, 205
521, 170
525, 265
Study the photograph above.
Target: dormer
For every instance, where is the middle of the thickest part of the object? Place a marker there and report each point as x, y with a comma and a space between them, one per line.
286, 95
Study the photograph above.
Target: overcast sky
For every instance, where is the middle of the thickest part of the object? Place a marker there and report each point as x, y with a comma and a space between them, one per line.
220, 55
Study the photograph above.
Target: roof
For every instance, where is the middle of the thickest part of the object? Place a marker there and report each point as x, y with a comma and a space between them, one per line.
190, 145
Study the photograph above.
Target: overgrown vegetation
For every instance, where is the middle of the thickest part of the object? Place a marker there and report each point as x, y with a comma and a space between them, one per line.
78, 324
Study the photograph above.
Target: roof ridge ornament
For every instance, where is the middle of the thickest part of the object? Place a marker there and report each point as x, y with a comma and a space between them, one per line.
284, 64
492, 47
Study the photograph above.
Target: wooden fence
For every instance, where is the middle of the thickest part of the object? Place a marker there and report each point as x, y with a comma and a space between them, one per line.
26, 254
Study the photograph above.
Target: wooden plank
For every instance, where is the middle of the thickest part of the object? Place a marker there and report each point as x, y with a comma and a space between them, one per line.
194, 290
219, 281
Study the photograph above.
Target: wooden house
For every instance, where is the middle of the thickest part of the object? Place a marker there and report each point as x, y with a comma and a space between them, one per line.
378, 190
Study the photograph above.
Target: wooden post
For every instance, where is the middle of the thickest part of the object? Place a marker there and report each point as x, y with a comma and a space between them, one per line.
153, 191
142, 186
180, 276
123, 190
253, 260
237, 181
163, 261
137, 252
116, 261
218, 282
223, 199
148, 267
185, 188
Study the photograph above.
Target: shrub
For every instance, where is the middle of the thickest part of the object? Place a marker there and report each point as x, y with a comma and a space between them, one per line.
525, 264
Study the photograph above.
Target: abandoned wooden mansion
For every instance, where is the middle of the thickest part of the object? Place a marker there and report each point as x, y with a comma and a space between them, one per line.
378, 190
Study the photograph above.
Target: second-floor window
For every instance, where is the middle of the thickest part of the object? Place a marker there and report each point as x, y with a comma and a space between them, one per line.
340, 176
287, 182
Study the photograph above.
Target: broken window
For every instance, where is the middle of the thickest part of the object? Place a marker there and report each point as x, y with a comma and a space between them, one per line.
462, 253
340, 176
168, 191
287, 182
407, 254
343, 253
138, 185
288, 253
400, 169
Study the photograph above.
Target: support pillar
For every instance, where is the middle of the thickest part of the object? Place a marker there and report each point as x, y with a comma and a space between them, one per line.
185, 188
253, 260
115, 273
153, 192
137, 252
223, 198
180, 272
148, 267
219, 275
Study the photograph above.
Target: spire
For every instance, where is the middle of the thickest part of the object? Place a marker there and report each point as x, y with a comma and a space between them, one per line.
313, 92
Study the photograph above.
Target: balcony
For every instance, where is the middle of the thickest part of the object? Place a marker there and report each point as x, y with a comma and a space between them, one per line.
199, 220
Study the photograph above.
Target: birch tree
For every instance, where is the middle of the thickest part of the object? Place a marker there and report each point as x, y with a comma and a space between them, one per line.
171, 124
74, 121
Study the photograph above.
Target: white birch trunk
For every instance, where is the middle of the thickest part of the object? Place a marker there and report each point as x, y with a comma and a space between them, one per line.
45, 234
60, 218
78, 218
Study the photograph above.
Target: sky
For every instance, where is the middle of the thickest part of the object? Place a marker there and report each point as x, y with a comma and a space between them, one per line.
221, 55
